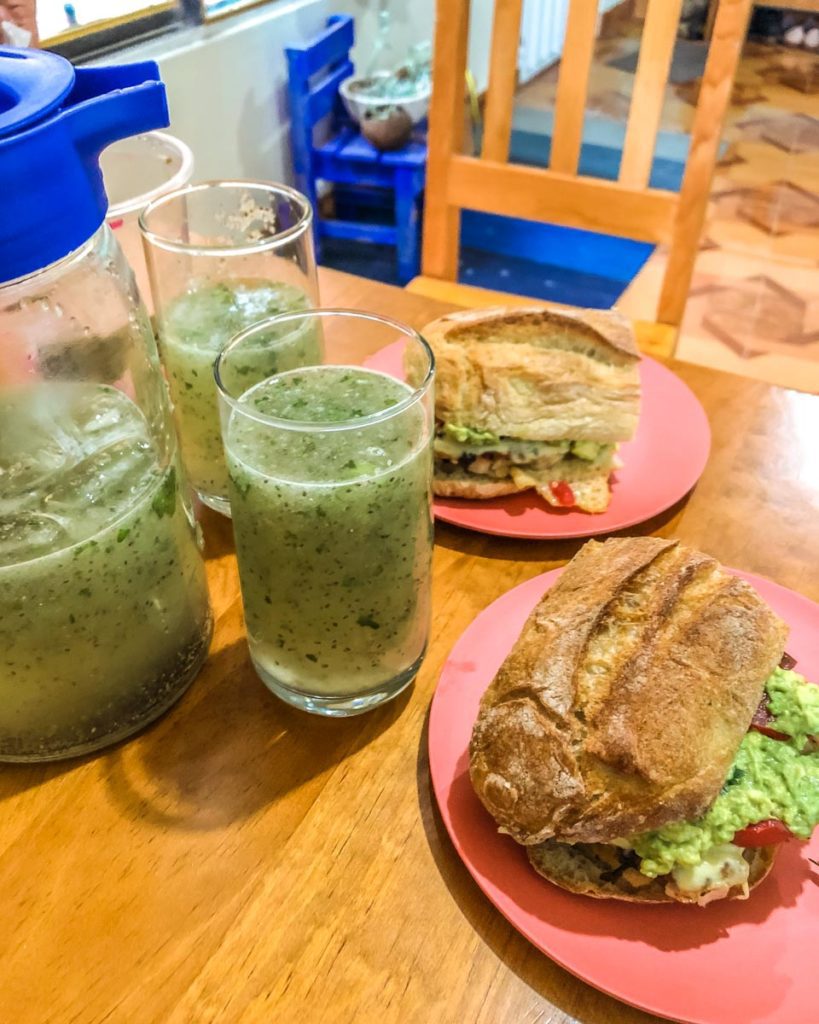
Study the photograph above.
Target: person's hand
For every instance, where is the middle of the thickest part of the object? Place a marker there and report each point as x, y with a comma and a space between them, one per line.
22, 13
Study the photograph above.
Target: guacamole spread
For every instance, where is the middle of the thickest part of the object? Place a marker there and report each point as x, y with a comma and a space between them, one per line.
455, 441
588, 450
768, 779
470, 435
794, 705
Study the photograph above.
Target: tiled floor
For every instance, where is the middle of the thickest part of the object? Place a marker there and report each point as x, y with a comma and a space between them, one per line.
754, 304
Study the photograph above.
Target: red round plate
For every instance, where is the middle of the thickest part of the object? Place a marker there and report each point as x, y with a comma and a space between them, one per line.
751, 962
660, 466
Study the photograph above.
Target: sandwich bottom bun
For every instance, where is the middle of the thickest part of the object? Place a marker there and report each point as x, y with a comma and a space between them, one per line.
461, 484
591, 494
578, 868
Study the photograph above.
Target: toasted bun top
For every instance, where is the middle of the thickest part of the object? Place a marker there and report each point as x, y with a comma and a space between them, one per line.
604, 333
537, 374
622, 704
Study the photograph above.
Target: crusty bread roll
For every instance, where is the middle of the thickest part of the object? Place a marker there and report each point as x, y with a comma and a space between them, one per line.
622, 704
579, 869
537, 374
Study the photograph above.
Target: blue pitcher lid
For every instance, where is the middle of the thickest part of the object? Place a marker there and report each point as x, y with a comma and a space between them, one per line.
32, 84
55, 120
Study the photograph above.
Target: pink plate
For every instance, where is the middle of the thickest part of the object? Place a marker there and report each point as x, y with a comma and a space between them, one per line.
660, 466
751, 962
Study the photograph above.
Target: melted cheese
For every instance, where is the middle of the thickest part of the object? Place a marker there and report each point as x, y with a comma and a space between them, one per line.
721, 867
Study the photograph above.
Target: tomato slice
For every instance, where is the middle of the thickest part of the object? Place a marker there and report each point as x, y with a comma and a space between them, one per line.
562, 493
763, 833
773, 733
762, 721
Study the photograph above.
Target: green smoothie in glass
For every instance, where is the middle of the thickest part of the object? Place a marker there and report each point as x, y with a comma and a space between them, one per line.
333, 529
104, 615
194, 329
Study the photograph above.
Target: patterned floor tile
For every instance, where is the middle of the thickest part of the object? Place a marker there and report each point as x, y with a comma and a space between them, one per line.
751, 316
612, 103
795, 133
780, 208
744, 94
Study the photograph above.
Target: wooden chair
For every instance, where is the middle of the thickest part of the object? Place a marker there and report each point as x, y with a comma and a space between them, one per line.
557, 194
346, 158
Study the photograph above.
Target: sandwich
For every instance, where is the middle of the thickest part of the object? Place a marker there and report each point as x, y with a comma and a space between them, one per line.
533, 399
647, 739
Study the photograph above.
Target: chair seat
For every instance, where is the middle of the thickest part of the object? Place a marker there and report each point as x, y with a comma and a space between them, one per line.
470, 296
351, 147
652, 338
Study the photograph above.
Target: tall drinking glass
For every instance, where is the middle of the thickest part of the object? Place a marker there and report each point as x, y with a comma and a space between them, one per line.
330, 469
222, 256
135, 171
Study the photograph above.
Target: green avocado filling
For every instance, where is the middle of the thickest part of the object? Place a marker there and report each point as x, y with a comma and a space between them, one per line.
768, 779
456, 441
794, 705
470, 435
588, 450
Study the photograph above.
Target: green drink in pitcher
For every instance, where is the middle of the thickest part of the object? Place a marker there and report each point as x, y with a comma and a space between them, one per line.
104, 616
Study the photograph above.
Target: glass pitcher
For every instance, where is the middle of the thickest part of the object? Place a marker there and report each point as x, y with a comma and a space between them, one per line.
104, 614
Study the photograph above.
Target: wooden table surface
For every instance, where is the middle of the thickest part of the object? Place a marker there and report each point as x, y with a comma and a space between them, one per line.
243, 861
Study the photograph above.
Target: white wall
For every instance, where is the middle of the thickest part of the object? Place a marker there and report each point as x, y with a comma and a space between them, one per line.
227, 85
543, 28
480, 40
413, 21
227, 81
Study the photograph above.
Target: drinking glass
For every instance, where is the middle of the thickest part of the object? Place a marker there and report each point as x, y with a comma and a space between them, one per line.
221, 256
330, 469
135, 171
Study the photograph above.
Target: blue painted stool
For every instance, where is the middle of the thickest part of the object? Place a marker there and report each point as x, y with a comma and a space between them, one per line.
347, 158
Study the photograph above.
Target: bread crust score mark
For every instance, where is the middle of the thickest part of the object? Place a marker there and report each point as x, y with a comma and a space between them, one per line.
623, 702
540, 375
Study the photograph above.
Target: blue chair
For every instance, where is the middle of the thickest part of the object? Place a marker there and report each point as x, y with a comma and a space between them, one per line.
347, 158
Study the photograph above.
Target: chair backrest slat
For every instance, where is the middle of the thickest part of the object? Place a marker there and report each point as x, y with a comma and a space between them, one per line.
650, 79
592, 204
572, 86
323, 97
500, 94
334, 44
730, 27
446, 137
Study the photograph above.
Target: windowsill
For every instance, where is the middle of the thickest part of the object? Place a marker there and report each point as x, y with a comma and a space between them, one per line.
69, 35
231, 9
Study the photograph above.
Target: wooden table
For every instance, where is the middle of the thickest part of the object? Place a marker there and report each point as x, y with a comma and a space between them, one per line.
242, 861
